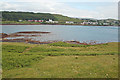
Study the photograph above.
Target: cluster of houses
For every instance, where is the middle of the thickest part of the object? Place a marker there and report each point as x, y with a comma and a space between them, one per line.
100, 22
85, 22
95, 23
49, 21
35, 20
91, 23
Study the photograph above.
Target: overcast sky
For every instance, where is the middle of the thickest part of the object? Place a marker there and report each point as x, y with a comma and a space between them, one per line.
98, 9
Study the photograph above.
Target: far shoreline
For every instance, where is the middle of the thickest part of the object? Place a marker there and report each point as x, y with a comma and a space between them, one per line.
59, 24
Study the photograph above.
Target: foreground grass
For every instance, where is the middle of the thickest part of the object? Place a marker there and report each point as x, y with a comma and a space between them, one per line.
104, 66
59, 60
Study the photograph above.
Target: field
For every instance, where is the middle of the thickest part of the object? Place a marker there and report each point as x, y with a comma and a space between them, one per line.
59, 60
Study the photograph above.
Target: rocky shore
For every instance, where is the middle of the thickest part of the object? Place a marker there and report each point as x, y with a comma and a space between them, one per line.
26, 34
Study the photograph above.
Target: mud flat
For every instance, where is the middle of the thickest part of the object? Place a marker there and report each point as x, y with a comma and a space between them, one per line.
25, 37
27, 41
3, 35
31, 41
19, 34
14, 40
24, 34
28, 37
31, 32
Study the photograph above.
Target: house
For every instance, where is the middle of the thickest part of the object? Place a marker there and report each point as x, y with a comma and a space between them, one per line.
51, 21
92, 23
105, 23
83, 23
69, 22
35, 20
30, 20
20, 20
40, 20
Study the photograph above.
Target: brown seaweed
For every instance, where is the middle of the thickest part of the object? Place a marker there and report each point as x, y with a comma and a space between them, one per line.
30, 32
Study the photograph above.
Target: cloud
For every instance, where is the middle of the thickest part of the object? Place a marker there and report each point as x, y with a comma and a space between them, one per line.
109, 11
61, 8
61, 0
8, 6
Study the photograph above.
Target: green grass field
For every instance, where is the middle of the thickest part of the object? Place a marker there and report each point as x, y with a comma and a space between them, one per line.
59, 60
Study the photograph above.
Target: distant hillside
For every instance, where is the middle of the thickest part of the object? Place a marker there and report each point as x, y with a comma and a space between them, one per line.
23, 17
15, 16
65, 18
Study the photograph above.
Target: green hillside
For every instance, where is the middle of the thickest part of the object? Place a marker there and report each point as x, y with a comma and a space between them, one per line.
15, 16
65, 18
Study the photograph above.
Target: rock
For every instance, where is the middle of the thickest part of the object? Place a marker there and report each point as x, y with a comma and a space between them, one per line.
3, 35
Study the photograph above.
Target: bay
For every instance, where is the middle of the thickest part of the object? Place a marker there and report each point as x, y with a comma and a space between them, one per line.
101, 34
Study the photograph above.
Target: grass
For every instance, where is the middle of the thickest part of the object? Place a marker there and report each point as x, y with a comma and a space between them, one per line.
104, 66
61, 48
13, 57
59, 60
64, 44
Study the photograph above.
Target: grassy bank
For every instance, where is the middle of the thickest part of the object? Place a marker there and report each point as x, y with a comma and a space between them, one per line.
58, 60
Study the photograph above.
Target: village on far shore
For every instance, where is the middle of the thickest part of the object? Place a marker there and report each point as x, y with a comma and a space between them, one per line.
57, 19
84, 22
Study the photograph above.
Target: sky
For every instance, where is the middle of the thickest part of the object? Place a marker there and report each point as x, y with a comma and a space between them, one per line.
97, 9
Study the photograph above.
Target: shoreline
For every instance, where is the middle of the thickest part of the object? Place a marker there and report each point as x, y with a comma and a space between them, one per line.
58, 24
29, 41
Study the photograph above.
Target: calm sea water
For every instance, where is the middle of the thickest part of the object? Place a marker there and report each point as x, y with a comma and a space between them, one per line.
69, 32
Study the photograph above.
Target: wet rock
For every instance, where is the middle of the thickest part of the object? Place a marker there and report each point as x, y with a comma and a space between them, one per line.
3, 35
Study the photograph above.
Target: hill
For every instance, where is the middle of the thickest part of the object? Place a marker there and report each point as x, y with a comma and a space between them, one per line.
11, 17
15, 16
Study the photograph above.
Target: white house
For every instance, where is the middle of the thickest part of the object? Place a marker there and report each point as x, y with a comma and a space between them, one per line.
70, 22
51, 21
105, 23
20, 20
93, 23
